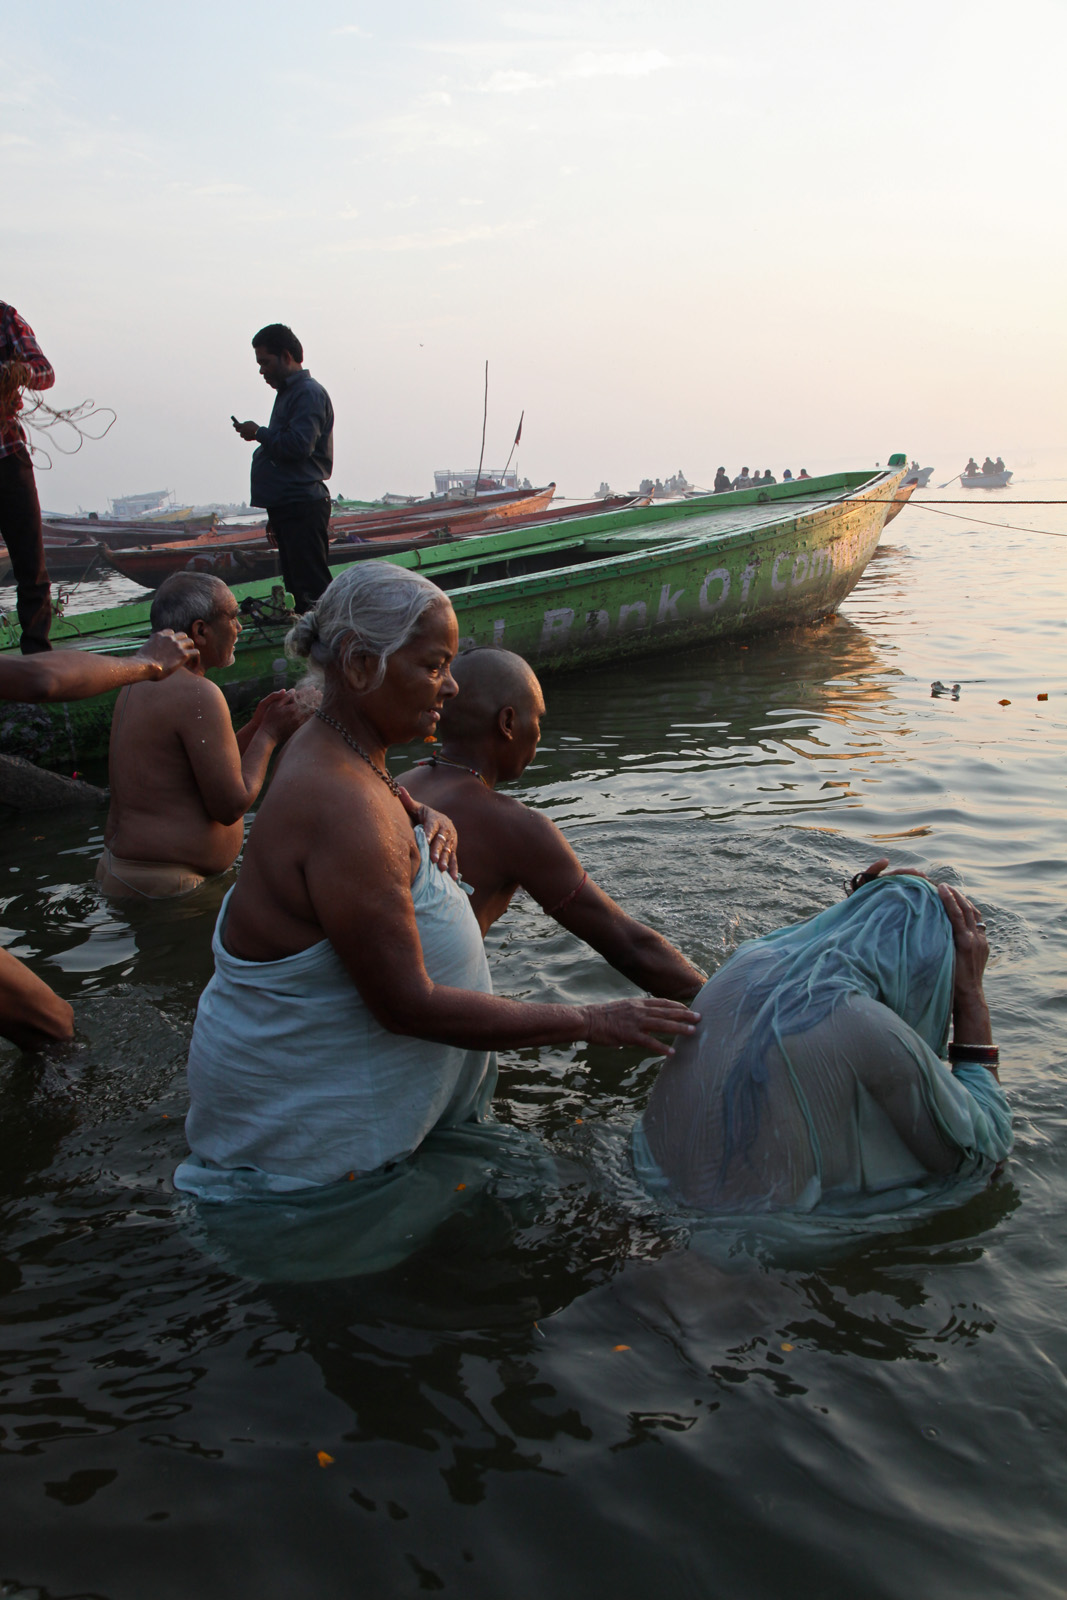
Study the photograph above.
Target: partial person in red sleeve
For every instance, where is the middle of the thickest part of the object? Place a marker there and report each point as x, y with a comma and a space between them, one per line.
22, 366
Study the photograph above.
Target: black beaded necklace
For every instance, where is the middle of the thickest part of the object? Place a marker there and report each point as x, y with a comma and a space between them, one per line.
442, 761
386, 777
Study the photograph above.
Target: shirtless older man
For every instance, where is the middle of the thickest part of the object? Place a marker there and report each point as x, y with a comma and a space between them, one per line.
181, 780
489, 734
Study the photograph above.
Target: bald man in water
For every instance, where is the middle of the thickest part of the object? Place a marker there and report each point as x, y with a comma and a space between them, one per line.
488, 735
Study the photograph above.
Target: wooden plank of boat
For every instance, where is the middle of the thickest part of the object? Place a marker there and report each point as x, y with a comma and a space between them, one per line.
615, 584
451, 513
899, 501
985, 480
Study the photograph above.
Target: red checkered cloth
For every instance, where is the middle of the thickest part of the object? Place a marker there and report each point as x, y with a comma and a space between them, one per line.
17, 343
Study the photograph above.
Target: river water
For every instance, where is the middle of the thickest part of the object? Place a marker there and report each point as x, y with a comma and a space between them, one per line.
559, 1389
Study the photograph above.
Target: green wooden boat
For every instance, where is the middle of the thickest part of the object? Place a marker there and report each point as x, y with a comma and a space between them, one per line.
654, 578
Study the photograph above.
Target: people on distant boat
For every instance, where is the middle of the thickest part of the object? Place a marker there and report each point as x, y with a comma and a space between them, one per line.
32, 1014
803, 473
787, 476
488, 735
989, 465
816, 1081
971, 469
351, 1011
181, 780
292, 463
768, 477
23, 365
722, 482
998, 465
742, 481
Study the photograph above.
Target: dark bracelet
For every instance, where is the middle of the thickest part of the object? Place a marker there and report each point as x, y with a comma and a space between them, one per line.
986, 1054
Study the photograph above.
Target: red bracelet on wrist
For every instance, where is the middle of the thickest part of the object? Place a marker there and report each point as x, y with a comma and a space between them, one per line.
986, 1054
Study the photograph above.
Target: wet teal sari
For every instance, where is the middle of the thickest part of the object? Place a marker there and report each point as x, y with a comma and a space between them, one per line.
815, 1078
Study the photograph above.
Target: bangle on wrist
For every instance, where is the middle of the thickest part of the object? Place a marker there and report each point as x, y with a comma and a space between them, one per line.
987, 1054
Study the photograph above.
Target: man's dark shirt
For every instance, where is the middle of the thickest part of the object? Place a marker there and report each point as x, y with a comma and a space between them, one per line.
295, 453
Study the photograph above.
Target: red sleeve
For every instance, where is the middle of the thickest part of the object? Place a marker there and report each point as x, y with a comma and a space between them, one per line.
28, 351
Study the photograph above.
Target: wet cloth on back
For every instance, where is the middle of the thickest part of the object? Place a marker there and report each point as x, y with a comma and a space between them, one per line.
814, 1079
294, 1083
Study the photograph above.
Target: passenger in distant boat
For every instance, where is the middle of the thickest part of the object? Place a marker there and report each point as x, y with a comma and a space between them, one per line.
32, 1014
998, 465
742, 481
971, 469
488, 734
816, 1084
181, 780
988, 465
722, 482
803, 473
767, 478
787, 476
292, 463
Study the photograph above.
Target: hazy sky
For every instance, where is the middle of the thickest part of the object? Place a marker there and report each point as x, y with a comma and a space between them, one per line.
682, 233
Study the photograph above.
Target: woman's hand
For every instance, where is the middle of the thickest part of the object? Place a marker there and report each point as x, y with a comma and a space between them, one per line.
968, 935
875, 870
638, 1021
440, 831
970, 1014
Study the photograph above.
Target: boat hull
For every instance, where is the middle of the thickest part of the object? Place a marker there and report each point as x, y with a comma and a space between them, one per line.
608, 586
985, 480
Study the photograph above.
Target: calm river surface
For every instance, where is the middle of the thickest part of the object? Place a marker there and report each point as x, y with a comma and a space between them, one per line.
560, 1389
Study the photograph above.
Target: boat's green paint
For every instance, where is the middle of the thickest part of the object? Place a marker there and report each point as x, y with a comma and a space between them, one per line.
619, 583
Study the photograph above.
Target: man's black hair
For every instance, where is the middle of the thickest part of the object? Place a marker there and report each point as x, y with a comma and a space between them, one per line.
277, 338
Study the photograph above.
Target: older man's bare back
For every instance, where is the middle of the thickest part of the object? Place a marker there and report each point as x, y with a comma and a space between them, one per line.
181, 779
489, 734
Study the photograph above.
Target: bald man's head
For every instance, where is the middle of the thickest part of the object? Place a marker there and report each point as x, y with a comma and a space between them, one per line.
489, 680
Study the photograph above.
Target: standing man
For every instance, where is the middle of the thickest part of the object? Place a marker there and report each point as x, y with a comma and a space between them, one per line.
22, 366
294, 459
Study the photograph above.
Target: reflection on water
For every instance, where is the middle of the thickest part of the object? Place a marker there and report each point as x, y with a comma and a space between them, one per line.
544, 1383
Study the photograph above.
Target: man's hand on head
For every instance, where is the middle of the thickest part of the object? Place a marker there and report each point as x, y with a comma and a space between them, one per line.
247, 430
169, 651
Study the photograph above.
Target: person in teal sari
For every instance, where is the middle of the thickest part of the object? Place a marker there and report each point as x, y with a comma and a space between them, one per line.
815, 1081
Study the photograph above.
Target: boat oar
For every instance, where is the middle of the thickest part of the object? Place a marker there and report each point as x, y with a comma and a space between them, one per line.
955, 475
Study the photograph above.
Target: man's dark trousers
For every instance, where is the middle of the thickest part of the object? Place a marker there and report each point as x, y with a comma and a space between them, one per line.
20, 529
301, 528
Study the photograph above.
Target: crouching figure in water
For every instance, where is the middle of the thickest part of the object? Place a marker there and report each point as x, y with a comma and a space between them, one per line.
351, 1011
815, 1079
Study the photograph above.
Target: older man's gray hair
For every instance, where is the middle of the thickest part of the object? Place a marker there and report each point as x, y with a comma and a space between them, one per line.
185, 598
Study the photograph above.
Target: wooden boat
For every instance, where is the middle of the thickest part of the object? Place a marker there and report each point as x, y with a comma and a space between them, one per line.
245, 552
985, 480
565, 595
919, 476
900, 500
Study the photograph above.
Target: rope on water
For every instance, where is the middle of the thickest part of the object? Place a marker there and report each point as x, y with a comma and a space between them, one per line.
1014, 527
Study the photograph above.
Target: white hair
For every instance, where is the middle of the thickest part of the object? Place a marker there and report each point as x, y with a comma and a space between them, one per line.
372, 608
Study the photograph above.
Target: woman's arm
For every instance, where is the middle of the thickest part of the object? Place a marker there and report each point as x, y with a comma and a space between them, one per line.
359, 883
970, 1014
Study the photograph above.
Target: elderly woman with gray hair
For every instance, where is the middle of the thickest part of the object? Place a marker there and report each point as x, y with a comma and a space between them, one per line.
351, 1010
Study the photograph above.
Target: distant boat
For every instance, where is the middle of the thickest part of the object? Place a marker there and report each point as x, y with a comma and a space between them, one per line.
985, 480
918, 477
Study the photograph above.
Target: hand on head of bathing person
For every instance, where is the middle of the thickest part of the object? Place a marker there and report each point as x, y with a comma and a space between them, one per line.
168, 650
